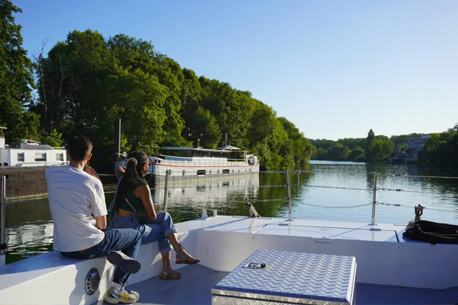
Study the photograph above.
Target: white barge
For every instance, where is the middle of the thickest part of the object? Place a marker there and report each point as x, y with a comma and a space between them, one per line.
191, 162
28, 153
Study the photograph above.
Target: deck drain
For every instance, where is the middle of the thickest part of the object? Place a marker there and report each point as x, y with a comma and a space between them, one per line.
92, 281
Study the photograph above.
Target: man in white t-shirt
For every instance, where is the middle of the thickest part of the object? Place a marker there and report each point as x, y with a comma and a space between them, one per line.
78, 210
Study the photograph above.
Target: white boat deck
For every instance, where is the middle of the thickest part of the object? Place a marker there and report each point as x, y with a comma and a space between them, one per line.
194, 288
327, 230
391, 270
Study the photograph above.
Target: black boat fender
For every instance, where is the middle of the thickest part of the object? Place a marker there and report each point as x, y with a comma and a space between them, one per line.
432, 232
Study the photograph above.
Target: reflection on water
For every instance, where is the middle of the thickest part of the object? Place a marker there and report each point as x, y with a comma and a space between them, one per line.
403, 185
28, 239
329, 191
186, 199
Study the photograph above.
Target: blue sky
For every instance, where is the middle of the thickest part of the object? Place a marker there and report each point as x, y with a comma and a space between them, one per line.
334, 68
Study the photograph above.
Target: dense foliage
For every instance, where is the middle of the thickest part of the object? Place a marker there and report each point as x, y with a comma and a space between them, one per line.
441, 149
86, 82
371, 149
16, 78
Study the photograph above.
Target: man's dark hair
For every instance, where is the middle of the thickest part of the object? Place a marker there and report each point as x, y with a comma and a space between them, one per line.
79, 148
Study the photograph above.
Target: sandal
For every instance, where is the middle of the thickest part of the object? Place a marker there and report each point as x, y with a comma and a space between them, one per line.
185, 258
170, 274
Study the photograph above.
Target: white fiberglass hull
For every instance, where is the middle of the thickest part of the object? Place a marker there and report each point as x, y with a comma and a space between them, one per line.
223, 242
201, 167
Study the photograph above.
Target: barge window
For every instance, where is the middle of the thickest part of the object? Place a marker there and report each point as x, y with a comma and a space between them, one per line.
20, 157
184, 173
226, 172
40, 156
201, 172
59, 157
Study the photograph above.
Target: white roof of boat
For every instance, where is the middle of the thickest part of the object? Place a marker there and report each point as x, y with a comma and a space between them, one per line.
229, 147
225, 149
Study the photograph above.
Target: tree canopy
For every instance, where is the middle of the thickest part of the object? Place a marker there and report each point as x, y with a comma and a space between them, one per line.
441, 149
16, 78
87, 81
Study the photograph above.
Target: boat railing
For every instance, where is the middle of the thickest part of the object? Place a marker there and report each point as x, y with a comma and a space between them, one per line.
203, 163
374, 189
291, 183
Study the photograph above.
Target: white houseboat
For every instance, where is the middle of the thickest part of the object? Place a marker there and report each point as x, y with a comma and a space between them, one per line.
189, 162
29, 153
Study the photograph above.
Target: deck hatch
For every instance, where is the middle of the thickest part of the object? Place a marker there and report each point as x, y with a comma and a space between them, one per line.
289, 277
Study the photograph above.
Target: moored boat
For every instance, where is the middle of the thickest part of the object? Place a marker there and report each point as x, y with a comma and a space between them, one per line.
193, 162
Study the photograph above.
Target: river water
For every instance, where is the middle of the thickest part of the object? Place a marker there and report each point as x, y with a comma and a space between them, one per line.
325, 191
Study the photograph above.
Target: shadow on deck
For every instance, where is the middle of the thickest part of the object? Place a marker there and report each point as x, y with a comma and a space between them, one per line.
194, 288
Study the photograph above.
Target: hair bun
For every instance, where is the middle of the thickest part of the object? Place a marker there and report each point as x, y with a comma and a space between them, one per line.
131, 162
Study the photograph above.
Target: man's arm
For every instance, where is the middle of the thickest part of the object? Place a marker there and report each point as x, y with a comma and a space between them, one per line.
119, 171
91, 171
101, 222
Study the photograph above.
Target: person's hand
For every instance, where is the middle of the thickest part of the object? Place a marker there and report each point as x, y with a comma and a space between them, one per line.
91, 172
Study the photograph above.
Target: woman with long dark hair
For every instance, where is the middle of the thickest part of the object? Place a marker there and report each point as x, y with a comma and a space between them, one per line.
134, 208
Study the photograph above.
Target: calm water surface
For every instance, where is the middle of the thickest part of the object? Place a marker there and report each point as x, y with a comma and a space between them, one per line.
326, 191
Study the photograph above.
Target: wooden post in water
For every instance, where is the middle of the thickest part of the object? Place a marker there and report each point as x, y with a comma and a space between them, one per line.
166, 188
374, 198
2, 219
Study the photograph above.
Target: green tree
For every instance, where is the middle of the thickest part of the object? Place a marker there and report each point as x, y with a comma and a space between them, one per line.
357, 154
378, 148
204, 128
319, 154
53, 139
337, 152
298, 149
267, 130
232, 109
322, 143
76, 80
16, 78
441, 150
351, 143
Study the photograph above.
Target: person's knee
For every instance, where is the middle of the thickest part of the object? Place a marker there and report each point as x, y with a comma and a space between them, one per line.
138, 235
167, 217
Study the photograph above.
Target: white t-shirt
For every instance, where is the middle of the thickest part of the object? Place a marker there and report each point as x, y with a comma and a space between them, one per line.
74, 198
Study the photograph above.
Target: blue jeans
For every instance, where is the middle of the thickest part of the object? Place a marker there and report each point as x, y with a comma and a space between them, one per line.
158, 230
126, 240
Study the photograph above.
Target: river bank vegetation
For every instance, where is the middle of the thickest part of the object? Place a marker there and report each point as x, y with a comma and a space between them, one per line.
440, 149
87, 81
